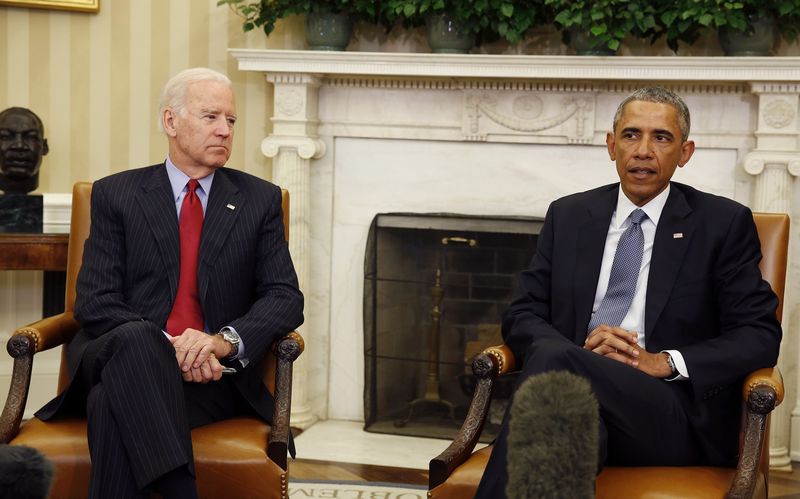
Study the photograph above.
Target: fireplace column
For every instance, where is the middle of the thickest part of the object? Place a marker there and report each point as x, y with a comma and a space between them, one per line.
292, 145
775, 162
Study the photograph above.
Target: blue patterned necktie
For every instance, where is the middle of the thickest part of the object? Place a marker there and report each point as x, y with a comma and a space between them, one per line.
624, 274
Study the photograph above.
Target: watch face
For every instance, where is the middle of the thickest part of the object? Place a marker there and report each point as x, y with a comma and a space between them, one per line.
233, 339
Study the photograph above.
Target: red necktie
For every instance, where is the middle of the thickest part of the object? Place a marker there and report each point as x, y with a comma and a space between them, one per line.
186, 312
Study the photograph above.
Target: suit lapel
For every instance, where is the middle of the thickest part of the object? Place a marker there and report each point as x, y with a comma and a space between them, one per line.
669, 250
591, 243
155, 199
225, 203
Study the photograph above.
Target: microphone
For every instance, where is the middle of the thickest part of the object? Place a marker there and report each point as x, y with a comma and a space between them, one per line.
24, 473
553, 438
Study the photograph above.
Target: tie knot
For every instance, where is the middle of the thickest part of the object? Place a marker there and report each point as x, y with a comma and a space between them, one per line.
192, 185
637, 216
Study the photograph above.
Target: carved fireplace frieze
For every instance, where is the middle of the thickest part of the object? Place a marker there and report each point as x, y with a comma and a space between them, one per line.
529, 117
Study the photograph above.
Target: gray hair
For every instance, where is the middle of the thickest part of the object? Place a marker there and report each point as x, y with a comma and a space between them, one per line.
174, 94
659, 95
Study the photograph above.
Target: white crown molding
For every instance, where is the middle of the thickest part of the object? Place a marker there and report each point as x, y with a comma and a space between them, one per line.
617, 69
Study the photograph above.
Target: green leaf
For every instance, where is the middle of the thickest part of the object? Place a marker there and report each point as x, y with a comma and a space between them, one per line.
598, 29
507, 9
668, 18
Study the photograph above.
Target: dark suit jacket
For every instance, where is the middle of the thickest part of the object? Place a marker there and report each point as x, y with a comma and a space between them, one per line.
131, 264
705, 297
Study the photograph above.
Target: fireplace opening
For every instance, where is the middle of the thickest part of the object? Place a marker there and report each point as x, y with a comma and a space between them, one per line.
435, 288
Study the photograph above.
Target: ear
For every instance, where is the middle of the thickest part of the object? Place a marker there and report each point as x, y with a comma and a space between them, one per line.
687, 149
168, 118
45, 147
611, 146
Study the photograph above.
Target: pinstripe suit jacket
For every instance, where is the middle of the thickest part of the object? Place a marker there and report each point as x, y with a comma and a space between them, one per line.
131, 264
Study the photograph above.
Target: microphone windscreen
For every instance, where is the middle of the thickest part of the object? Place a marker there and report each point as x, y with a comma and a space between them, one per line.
24, 473
553, 438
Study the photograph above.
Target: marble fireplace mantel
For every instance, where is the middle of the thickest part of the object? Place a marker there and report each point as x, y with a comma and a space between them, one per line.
680, 69
357, 133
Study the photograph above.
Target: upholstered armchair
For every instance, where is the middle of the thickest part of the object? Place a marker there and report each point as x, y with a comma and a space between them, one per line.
239, 457
456, 472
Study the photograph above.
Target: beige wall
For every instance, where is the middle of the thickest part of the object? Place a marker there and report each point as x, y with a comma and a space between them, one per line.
95, 80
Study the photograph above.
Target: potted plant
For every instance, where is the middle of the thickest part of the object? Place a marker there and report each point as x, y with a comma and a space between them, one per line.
329, 23
598, 27
745, 27
456, 25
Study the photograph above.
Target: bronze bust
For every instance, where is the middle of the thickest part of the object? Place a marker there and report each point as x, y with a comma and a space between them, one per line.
22, 145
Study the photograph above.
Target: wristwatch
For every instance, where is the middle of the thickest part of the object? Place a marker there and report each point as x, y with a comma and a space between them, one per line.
231, 337
670, 363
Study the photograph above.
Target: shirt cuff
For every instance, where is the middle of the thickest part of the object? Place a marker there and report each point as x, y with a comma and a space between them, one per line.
680, 365
240, 355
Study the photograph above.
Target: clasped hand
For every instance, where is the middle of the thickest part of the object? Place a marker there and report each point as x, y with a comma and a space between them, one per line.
197, 354
621, 345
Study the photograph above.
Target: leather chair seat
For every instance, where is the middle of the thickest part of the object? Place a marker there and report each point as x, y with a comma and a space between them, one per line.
230, 457
657, 482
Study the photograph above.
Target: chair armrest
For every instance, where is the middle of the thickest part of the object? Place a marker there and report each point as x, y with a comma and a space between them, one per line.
503, 359
23, 344
767, 381
50, 332
487, 366
286, 349
762, 391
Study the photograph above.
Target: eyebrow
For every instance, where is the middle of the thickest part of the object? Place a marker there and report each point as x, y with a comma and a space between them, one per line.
657, 131
215, 111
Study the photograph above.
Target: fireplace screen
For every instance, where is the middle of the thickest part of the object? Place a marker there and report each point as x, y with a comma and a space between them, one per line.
435, 287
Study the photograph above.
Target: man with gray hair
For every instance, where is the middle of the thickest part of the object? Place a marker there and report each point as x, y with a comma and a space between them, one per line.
651, 291
186, 281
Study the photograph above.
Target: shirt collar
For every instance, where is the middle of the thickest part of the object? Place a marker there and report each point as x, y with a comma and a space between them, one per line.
653, 208
178, 180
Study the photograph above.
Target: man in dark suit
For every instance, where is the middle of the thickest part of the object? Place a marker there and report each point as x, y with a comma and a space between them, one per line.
666, 361
185, 269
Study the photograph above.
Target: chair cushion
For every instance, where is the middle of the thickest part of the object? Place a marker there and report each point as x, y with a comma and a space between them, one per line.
230, 457
686, 482
615, 482
64, 443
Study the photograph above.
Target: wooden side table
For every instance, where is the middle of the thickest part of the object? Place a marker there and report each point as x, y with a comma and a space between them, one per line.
47, 252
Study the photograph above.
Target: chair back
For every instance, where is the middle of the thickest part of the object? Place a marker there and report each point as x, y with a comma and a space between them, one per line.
80, 223
773, 231
269, 364
78, 232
